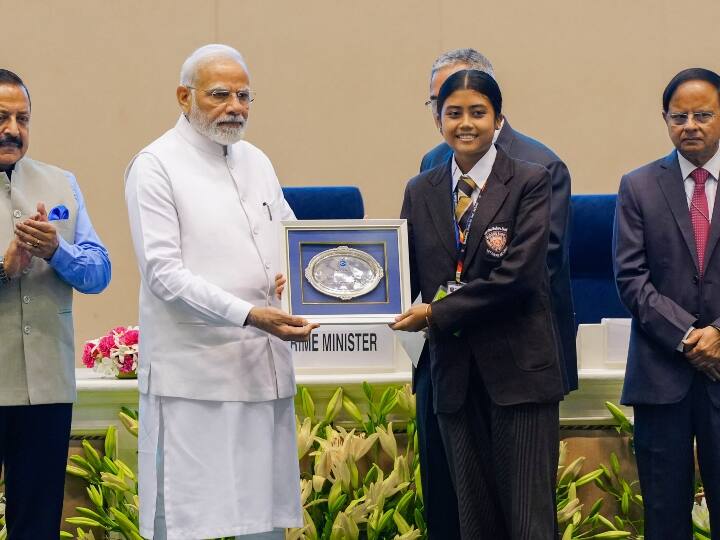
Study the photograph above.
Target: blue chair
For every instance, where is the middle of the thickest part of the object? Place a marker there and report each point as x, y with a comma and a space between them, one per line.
325, 202
591, 260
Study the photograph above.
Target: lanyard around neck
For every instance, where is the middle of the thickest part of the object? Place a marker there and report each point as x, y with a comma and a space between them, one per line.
461, 237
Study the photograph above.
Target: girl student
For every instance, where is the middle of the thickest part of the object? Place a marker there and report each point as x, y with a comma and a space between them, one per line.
478, 230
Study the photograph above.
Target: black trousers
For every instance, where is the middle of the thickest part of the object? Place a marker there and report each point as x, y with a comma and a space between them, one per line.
34, 442
503, 461
441, 511
664, 437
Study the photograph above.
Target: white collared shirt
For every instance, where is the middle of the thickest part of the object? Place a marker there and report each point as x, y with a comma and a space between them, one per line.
713, 167
480, 171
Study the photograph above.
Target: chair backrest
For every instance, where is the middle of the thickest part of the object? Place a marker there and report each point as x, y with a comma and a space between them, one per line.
325, 202
591, 260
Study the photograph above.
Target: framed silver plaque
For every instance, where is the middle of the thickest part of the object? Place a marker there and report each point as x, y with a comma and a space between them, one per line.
346, 271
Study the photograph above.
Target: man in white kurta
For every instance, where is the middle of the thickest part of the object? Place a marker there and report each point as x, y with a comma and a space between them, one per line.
217, 447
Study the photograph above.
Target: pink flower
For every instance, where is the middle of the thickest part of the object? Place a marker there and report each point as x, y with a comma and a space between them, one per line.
107, 343
87, 358
128, 363
118, 330
130, 337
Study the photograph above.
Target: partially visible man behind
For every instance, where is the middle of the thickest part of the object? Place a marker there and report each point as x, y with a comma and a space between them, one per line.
51, 250
440, 505
217, 448
667, 269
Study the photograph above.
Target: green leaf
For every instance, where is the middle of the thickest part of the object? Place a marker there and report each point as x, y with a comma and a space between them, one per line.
589, 477
308, 404
127, 526
400, 522
352, 409
385, 520
91, 455
419, 519
625, 503
109, 465
83, 521
405, 501
130, 412
82, 463
372, 475
86, 512
339, 503
622, 420
367, 390
595, 508
609, 524
111, 438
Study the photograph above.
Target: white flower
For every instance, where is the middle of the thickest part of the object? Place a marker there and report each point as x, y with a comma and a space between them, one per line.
701, 516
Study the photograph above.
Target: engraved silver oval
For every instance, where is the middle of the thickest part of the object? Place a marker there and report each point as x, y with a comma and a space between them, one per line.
344, 272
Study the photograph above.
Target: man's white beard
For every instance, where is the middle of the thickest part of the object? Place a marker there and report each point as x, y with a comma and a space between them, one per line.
224, 135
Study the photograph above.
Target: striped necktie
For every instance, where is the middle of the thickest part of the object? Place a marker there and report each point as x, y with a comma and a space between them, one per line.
465, 188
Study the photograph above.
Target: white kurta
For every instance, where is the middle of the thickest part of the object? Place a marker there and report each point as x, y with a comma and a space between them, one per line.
224, 468
216, 413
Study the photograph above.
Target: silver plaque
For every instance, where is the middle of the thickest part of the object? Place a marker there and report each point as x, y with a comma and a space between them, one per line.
344, 272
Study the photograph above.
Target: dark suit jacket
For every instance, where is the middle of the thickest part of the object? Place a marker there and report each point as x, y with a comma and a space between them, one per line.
520, 146
504, 312
657, 276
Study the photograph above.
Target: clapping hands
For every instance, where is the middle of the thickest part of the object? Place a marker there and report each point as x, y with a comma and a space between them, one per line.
37, 235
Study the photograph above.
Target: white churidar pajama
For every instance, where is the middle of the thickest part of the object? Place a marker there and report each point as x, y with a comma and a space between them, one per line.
200, 482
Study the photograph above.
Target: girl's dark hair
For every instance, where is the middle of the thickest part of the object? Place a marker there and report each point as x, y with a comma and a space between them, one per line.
471, 79
692, 74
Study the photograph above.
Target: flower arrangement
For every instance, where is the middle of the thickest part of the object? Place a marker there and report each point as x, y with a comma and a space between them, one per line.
115, 354
364, 484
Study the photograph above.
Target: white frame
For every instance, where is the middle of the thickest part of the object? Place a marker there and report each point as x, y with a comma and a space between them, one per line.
400, 225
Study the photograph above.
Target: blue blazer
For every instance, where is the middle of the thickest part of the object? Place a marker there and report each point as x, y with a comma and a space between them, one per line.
656, 271
519, 146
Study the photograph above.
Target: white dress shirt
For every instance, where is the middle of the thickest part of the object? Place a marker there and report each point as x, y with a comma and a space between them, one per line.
479, 173
686, 168
713, 167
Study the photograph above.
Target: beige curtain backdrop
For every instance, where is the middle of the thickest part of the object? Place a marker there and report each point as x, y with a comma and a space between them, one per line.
340, 89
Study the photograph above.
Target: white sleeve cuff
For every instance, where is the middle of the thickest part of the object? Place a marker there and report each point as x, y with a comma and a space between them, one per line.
681, 346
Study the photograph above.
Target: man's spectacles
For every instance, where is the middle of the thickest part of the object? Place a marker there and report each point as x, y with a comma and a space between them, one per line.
431, 102
222, 95
700, 117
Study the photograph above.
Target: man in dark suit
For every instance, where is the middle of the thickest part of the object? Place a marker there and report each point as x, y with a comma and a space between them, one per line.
440, 501
667, 269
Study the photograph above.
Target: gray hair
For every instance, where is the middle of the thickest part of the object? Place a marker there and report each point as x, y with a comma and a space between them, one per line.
471, 57
203, 55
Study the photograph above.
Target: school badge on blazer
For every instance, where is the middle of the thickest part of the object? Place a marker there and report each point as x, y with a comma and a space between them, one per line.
496, 238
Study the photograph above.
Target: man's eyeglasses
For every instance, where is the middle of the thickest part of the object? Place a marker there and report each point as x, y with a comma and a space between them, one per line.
700, 117
222, 95
431, 102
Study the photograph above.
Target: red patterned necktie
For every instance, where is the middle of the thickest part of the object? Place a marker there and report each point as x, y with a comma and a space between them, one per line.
700, 214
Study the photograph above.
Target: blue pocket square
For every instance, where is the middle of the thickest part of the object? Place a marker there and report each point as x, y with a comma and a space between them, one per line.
59, 212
